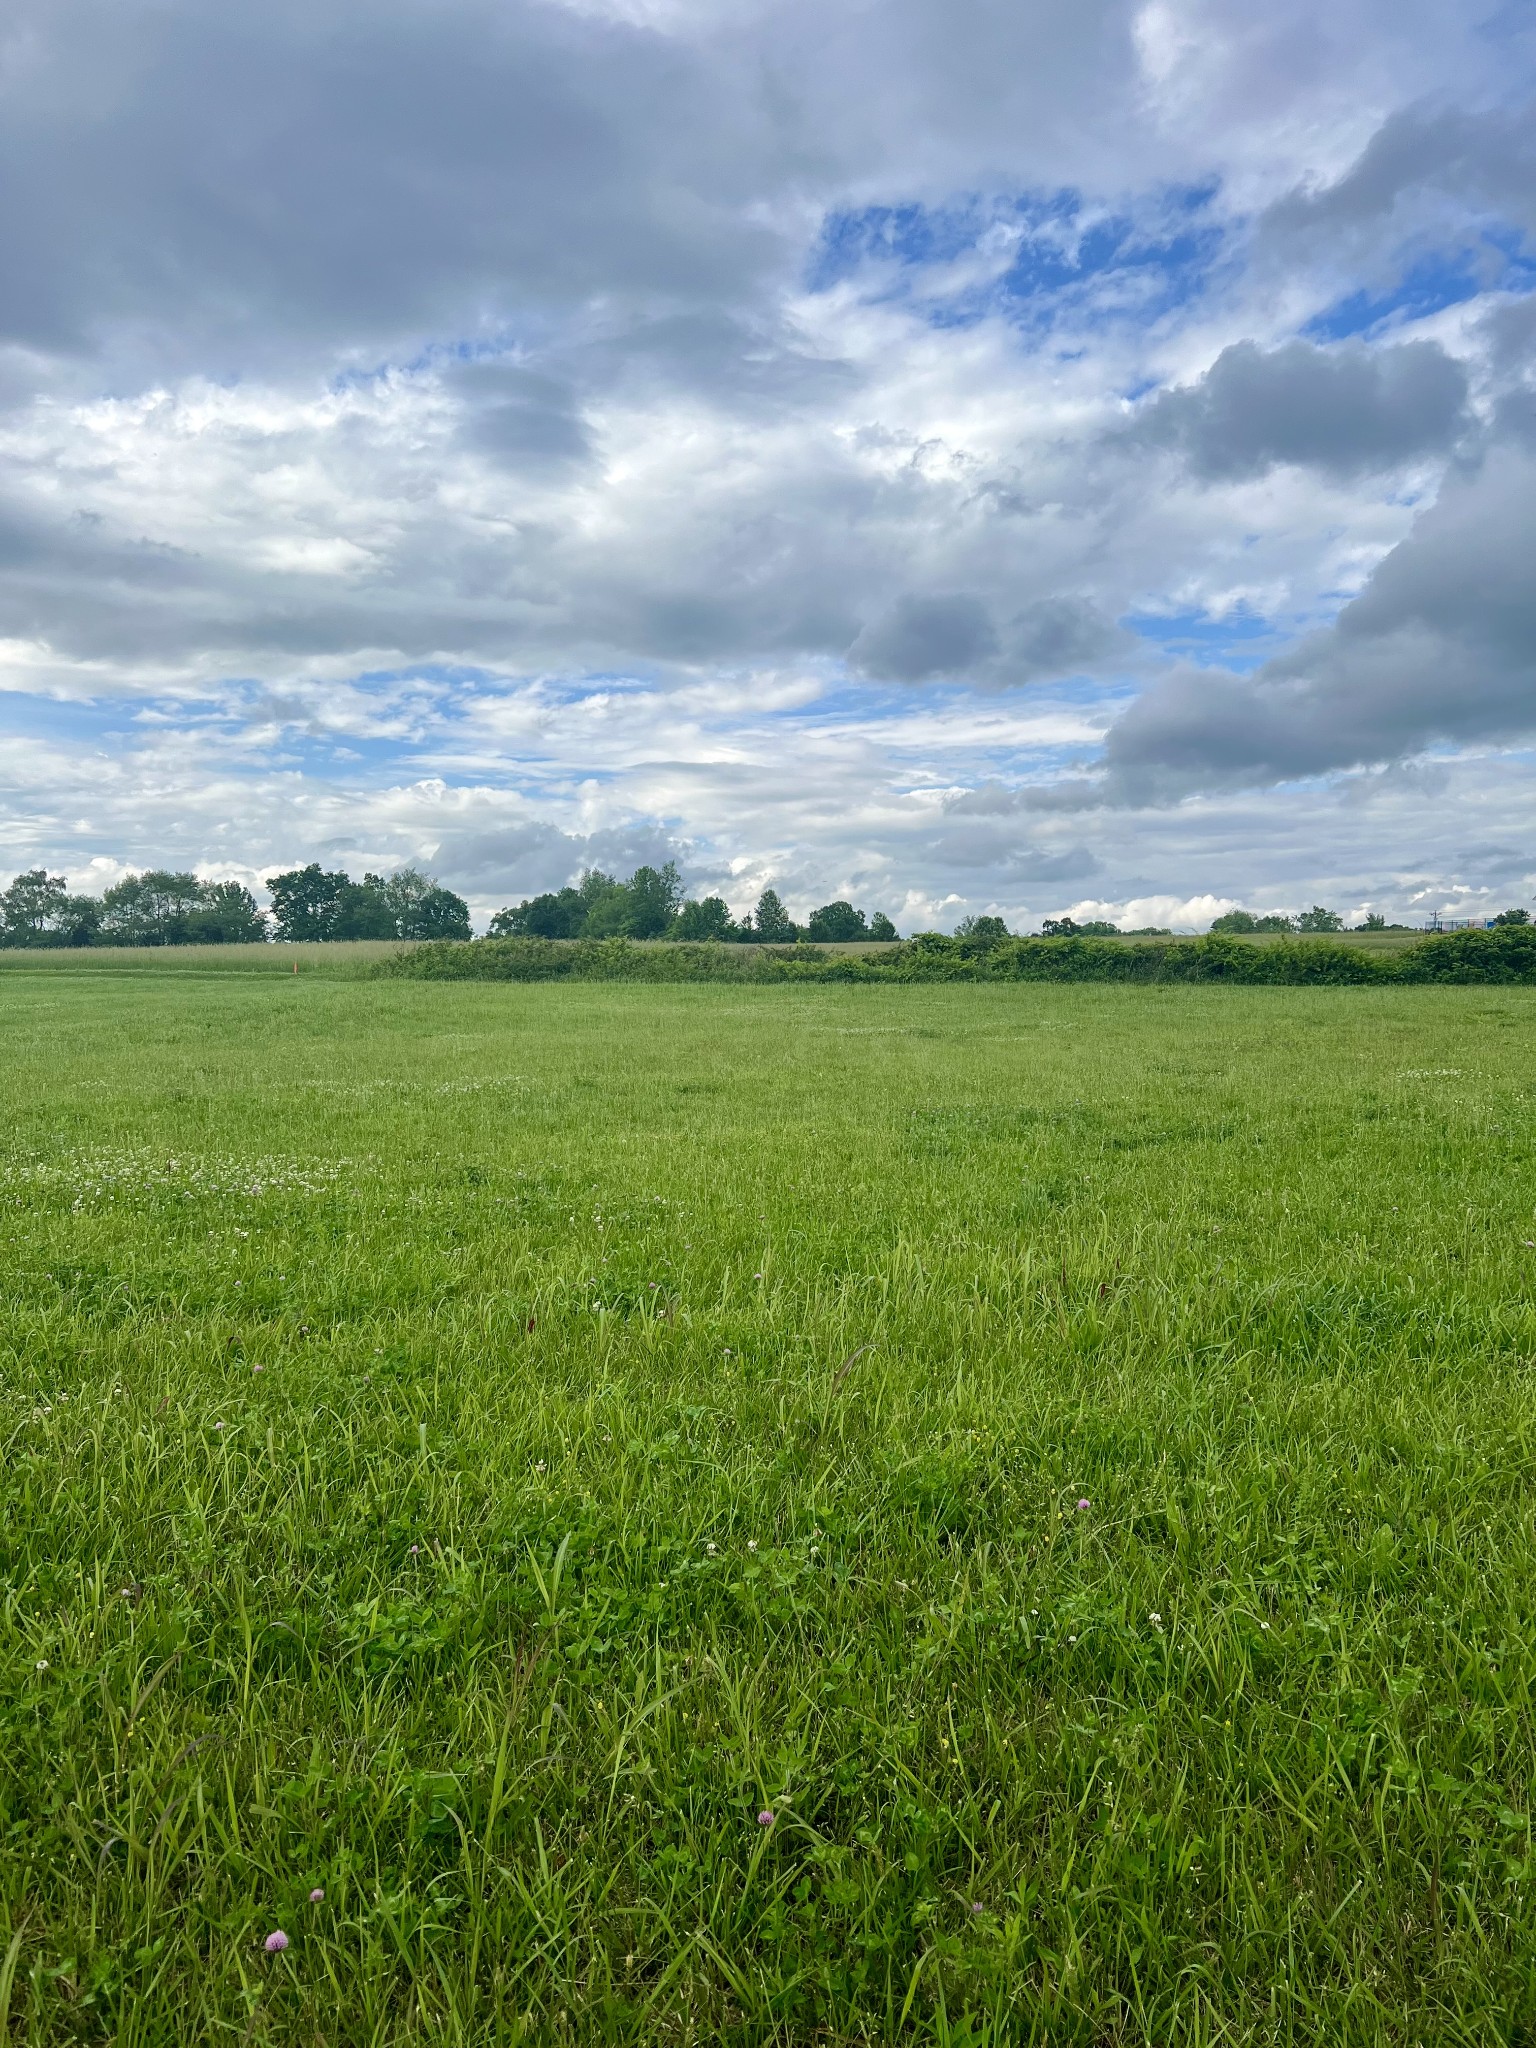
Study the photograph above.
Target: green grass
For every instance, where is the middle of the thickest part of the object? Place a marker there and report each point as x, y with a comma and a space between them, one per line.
348, 957
474, 1448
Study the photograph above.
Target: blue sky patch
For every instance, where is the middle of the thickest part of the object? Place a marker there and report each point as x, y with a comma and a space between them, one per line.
1498, 261
1031, 258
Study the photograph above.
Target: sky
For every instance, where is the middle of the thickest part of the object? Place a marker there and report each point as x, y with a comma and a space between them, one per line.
968, 456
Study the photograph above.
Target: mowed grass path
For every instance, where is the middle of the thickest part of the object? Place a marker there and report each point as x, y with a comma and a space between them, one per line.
478, 1450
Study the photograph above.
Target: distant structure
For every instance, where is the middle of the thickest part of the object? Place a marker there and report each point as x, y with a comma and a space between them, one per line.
1460, 924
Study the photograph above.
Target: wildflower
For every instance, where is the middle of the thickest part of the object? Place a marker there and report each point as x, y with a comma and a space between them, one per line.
711, 1548
415, 1550
540, 1466
1083, 1504
42, 1663
1071, 1639
752, 1543
275, 1942
765, 1818
258, 1368
757, 1276
317, 1895
1155, 1618
977, 1907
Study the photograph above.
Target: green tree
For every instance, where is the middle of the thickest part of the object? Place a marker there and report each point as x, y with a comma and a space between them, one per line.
31, 908
605, 906
771, 921
420, 907
1374, 922
1235, 921
1317, 919
982, 931
1059, 928
837, 924
305, 902
654, 894
880, 927
155, 908
1508, 917
708, 919
226, 915
555, 915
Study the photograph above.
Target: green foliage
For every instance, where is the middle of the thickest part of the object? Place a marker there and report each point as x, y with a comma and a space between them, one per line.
310, 904
470, 1451
880, 927
706, 920
1317, 919
1471, 956
1266, 921
980, 933
38, 910
1374, 922
157, 908
1506, 917
836, 924
555, 915
771, 922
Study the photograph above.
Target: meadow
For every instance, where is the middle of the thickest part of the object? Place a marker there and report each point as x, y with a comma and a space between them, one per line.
786, 1514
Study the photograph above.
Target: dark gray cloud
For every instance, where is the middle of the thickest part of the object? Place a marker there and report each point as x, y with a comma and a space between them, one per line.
219, 189
1345, 411
1424, 166
921, 638
1439, 647
953, 637
520, 418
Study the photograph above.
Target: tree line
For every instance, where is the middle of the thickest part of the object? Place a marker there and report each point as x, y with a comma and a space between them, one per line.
651, 905
161, 908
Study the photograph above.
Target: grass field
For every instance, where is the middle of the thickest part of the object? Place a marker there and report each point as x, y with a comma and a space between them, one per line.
722, 1514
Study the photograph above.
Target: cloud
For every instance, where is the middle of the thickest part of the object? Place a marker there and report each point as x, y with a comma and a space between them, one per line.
494, 431
923, 639
1345, 411
1439, 648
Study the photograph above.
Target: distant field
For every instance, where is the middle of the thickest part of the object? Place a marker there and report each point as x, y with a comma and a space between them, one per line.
345, 957
784, 1514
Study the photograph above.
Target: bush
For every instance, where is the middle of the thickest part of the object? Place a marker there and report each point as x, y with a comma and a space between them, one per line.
1507, 955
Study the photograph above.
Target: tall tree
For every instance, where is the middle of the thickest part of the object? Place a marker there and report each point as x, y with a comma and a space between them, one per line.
305, 902
31, 907
155, 908
707, 919
837, 923
771, 921
654, 894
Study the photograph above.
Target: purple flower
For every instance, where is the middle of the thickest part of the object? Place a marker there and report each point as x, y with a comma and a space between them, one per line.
976, 1906
765, 1818
415, 1550
317, 1895
275, 1942
1083, 1504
